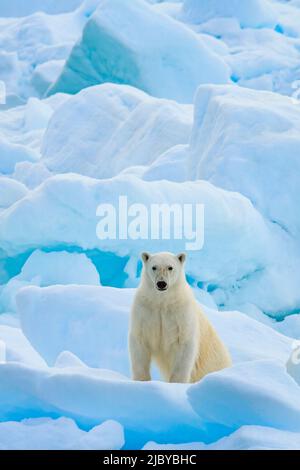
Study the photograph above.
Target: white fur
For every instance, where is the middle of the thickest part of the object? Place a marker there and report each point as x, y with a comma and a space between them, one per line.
169, 326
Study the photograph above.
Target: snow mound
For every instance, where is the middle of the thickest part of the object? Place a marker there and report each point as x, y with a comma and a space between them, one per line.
46, 74
79, 319
171, 165
44, 269
10, 191
59, 268
233, 325
104, 129
248, 141
249, 13
59, 434
92, 399
128, 41
265, 58
28, 43
21, 132
12, 153
18, 348
258, 393
290, 326
238, 242
31, 174
253, 393
245, 438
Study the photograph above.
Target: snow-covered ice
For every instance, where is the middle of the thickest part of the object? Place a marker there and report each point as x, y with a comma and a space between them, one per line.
250, 13
66, 315
257, 134
10, 191
130, 42
45, 269
59, 434
106, 128
70, 202
245, 438
164, 102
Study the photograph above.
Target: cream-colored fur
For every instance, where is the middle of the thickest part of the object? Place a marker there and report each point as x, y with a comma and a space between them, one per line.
169, 327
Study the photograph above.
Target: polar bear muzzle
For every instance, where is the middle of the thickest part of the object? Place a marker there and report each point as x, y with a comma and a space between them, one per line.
161, 285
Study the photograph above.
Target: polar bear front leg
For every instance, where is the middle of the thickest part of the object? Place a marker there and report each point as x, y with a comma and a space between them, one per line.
183, 363
140, 359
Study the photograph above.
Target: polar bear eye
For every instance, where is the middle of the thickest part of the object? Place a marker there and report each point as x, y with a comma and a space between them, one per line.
153, 268
170, 268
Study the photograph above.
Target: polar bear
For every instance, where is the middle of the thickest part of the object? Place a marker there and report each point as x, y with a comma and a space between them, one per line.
168, 325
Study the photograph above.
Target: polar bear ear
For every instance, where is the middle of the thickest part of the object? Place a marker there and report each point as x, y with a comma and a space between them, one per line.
181, 257
145, 257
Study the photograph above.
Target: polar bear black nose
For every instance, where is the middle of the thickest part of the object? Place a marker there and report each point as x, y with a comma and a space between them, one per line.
161, 285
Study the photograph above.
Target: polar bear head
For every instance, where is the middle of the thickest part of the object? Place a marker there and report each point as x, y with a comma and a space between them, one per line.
163, 270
